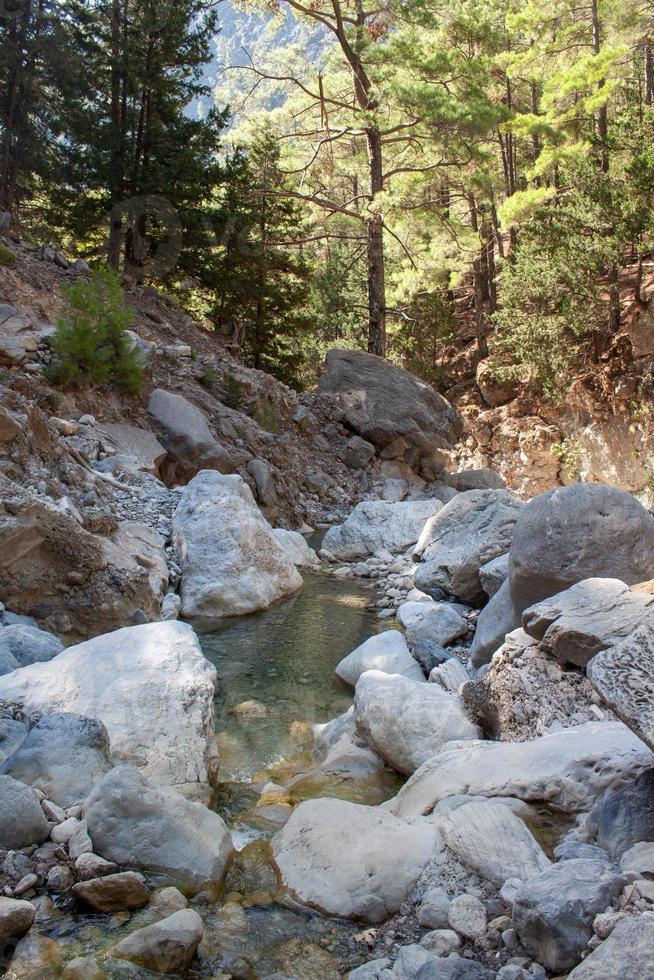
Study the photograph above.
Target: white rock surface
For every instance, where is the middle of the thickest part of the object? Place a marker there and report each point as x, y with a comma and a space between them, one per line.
387, 652
297, 548
376, 524
405, 721
152, 688
569, 769
438, 622
351, 860
232, 563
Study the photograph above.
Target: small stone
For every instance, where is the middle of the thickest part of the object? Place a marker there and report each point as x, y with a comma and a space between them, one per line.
87, 420
467, 916
53, 812
16, 918
510, 889
433, 911
60, 878
441, 942
113, 893
89, 865
168, 900
62, 833
510, 939
26, 884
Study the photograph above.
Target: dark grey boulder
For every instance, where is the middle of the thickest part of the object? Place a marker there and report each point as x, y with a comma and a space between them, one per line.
624, 817
553, 913
495, 620
63, 755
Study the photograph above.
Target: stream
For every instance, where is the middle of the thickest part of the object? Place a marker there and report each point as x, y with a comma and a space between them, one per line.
275, 680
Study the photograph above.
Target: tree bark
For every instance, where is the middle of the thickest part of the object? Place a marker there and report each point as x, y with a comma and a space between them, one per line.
375, 234
602, 115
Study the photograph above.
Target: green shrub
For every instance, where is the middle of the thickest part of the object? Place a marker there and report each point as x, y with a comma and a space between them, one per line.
91, 344
7, 256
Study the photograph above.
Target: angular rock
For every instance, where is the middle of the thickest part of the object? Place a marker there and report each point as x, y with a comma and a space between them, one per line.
622, 676
16, 918
471, 530
349, 860
624, 817
386, 652
434, 906
89, 865
22, 821
493, 841
628, 952
493, 574
12, 733
405, 721
569, 769
133, 543
339, 750
496, 620
130, 440
126, 890
588, 617
297, 548
164, 947
232, 563
64, 755
403, 417
28, 645
573, 533
376, 524
264, 482
553, 913
152, 688
357, 453
438, 622
186, 436
135, 823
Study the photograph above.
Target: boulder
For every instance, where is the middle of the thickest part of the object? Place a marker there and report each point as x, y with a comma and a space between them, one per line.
113, 893
624, 817
164, 947
22, 821
415, 962
573, 533
437, 622
28, 645
297, 549
588, 617
186, 436
135, 823
130, 440
349, 860
340, 751
496, 620
493, 574
262, 474
400, 415
479, 479
377, 524
12, 733
628, 952
568, 769
63, 755
16, 918
36, 957
386, 652
232, 563
152, 688
140, 546
357, 453
622, 676
471, 530
407, 721
487, 837
553, 913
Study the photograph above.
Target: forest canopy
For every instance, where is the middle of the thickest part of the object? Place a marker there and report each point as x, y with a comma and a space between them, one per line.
401, 178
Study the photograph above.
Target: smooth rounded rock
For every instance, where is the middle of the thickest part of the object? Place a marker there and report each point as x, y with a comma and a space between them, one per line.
387, 652
165, 947
467, 916
16, 918
22, 821
125, 890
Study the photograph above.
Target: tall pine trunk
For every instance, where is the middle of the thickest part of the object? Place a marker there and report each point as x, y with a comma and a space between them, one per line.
375, 235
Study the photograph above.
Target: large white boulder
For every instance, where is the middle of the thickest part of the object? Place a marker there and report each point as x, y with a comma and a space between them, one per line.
570, 769
387, 652
232, 563
349, 860
133, 822
379, 524
407, 721
152, 688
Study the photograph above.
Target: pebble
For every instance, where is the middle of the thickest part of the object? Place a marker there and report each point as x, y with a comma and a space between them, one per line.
467, 916
26, 884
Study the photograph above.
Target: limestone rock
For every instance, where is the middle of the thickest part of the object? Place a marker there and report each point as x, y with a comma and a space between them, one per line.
400, 415
624, 817
573, 533
569, 769
628, 952
493, 574
186, 436
12, 733
386, 652
137, 545
376, 524
434, 906
622, 676
16, 918
89, 865
28, 645
112, 893
164, 947
83, 968
438, 622
22, 821
339, 750
553, 913
297, 548
349, 860
264, 482
588, 617
496, 620
493, 841
471, 530
405, 721
467, 916
64, 756
130, 440
232, 563
36, 957
358, 453
135, 823
152, 688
